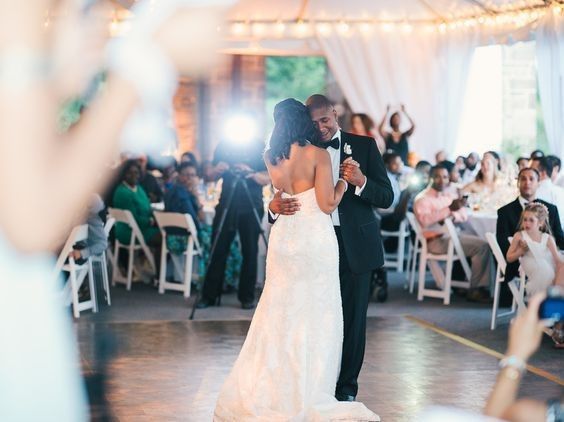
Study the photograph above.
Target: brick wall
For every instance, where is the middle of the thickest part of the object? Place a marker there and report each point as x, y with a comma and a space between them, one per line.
237, 83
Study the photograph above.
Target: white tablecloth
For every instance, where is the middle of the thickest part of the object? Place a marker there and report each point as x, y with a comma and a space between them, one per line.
479, 223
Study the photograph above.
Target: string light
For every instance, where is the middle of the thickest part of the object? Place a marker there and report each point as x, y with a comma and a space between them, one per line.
517, 15
343, 28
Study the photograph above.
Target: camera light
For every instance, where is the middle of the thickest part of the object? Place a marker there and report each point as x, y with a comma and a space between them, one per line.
240, 128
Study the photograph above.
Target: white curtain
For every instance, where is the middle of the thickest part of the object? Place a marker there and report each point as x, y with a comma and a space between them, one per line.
425, 71
455, 51
550, 64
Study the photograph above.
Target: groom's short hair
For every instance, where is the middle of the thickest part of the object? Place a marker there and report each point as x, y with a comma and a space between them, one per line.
317, 101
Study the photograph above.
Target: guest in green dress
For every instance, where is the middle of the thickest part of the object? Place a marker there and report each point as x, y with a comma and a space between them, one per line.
129, 195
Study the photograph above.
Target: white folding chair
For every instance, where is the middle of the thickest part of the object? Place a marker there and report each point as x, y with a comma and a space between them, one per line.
184, 221
103, 261
77, 274
443, 279
136, 243
500, 278
415, 249
396, 259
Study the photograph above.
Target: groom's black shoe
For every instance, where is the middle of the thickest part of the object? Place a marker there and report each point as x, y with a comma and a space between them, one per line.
204, 303
345, 397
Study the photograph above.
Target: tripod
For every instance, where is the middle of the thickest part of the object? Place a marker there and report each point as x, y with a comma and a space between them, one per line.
238, 180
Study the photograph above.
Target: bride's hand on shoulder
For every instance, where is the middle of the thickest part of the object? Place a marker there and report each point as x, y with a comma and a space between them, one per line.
283, 206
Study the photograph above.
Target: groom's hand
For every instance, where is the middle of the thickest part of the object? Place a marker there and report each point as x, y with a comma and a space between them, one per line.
350, 171
284, 206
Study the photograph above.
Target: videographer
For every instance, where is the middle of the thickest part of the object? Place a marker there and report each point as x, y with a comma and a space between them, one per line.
239, 165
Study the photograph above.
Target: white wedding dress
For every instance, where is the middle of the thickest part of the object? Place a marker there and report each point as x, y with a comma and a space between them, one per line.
289, 364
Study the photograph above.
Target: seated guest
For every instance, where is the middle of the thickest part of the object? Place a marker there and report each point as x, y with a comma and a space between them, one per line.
431, 207
472, 163
363, 125
149, 182
392, 217
537, 153
556, 177
419, 180
535, 249
440, 156
454, 175
495, 156
486, 178
182, 198
548, 191
394, 166
129, 195
509, 215
460, 164
97, 241
522, 162
169, 176
189, 157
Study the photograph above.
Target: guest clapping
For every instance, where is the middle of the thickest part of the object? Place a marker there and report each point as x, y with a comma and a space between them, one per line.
396, 140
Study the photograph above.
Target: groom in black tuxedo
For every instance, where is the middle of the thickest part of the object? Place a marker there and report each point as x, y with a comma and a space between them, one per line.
357, 160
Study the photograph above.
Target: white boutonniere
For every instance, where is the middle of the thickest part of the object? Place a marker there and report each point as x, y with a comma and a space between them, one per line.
347, 149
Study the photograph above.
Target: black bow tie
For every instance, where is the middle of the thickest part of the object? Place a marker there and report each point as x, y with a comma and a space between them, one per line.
333, 143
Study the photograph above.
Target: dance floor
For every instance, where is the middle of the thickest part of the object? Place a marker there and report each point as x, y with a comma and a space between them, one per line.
173, 370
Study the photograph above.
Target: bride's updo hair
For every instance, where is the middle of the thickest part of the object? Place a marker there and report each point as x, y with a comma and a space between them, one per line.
292, 124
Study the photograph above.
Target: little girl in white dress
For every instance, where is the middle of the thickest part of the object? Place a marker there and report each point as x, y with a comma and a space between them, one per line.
536, 249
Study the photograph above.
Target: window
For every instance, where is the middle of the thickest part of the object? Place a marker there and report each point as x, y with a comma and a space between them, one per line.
502, 107
296, 77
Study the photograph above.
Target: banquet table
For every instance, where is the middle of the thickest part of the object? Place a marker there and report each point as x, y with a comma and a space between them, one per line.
480, 222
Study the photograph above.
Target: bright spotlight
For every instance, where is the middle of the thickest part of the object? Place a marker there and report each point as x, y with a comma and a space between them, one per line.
240, 128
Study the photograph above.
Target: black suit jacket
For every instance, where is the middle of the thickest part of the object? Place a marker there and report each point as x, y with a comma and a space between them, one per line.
508, 218
359, 226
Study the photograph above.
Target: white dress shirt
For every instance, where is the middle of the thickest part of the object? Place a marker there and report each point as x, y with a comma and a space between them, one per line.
549, 192
524, 202
335, 155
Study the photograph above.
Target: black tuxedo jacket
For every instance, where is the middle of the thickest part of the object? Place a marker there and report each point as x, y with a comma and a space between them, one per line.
359, 226
508, 218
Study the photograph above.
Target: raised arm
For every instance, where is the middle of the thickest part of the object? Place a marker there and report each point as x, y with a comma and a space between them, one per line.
62, 173
410, 131
328, 194
525, 335
381, 130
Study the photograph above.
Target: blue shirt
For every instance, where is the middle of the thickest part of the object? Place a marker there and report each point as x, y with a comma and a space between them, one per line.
179, 199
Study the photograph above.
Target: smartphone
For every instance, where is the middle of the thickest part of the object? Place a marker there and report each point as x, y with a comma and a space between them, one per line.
552, 307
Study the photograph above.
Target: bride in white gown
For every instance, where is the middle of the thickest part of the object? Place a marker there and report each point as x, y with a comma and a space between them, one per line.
288, 367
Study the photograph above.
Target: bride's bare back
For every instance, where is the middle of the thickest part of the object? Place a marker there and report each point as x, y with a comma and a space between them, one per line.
308, 167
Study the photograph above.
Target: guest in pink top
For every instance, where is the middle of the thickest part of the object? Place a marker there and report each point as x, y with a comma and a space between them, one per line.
431, 207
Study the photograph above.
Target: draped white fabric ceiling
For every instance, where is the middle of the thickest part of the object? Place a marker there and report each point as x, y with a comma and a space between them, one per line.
393, 10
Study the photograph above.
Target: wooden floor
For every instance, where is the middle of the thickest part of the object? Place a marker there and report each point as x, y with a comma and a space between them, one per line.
172, 371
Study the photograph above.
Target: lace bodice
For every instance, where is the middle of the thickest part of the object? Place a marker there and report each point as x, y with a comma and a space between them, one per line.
308, 203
